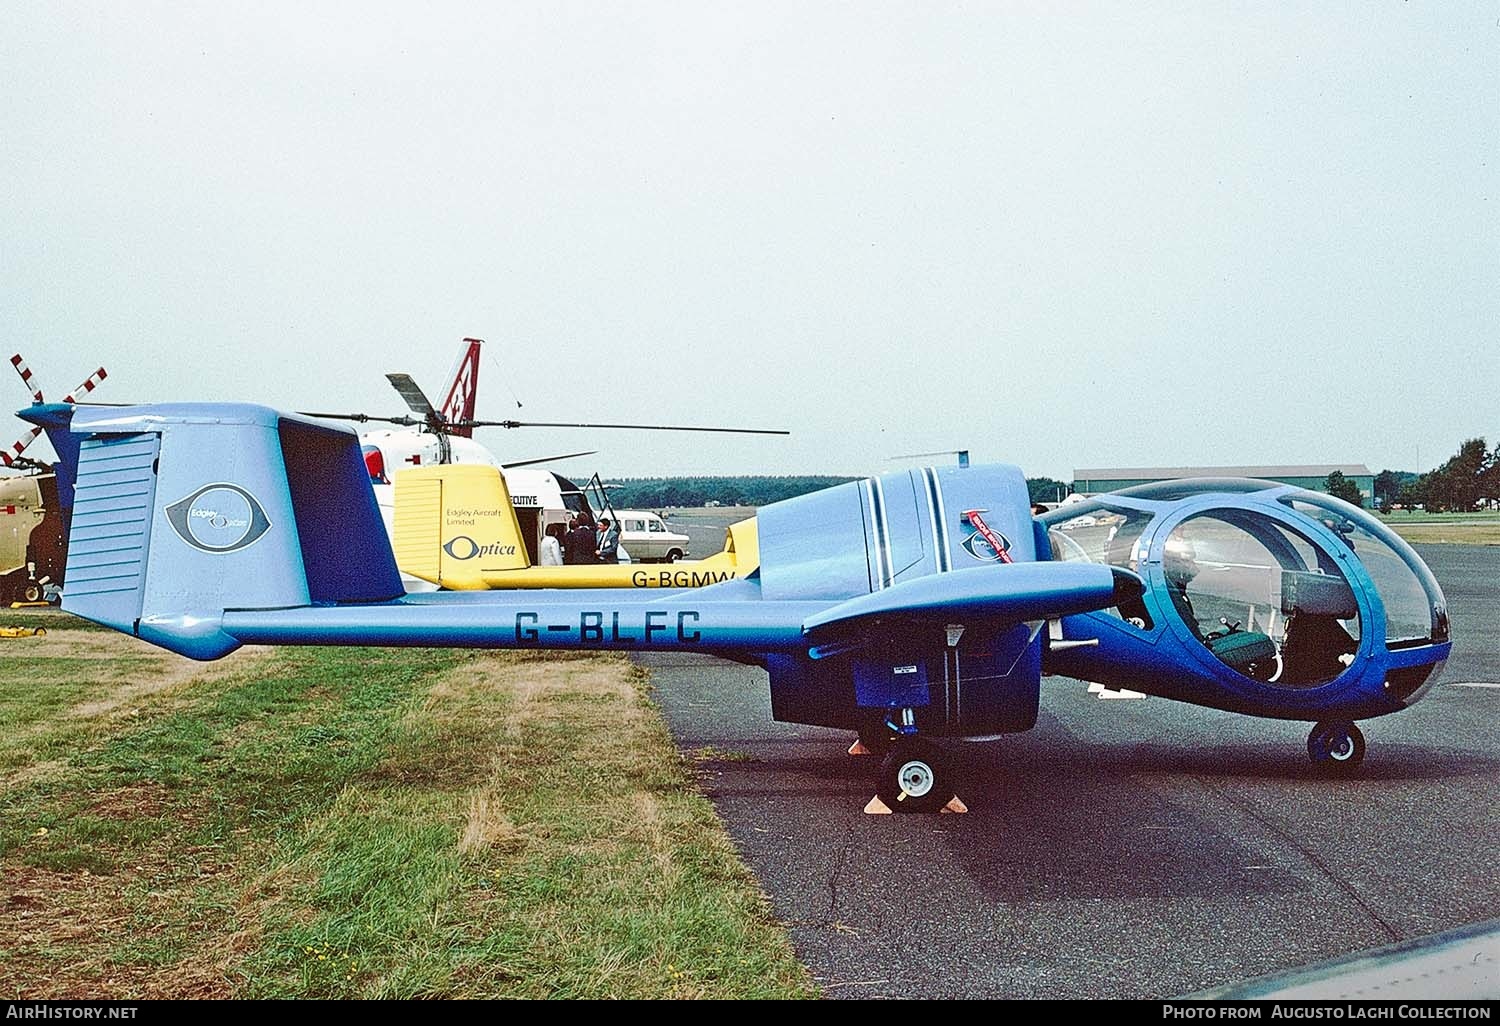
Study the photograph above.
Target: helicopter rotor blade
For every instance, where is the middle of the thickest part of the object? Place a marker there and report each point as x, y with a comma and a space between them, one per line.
416, 399
622, 427
365, 418
548, 459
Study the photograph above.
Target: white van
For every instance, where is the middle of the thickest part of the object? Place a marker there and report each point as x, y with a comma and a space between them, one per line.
648, 539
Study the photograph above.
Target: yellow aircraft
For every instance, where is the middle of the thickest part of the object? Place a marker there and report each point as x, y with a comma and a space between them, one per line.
455, 527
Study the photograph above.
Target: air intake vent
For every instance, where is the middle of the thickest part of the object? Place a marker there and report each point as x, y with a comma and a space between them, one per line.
111, 525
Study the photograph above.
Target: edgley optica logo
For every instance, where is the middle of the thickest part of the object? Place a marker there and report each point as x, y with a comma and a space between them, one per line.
464, 547
218, 518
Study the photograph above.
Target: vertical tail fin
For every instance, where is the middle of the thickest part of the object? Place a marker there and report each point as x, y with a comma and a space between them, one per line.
454, 524
183, 511
463, 388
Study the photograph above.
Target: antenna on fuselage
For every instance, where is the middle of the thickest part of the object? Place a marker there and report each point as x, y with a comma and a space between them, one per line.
962, 454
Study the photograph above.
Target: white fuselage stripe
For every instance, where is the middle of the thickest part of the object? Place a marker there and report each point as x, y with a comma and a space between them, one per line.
935, 489
932, 518
877, 522
883, 529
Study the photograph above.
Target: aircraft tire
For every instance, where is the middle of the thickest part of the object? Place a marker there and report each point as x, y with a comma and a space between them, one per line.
913, 778
1336, 748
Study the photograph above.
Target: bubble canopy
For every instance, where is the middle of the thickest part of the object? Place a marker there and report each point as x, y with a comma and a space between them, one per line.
1119, 527
1415, 609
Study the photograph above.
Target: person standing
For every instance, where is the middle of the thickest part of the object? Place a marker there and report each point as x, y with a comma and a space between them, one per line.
580, 546
567, 542
552, 553
609, 541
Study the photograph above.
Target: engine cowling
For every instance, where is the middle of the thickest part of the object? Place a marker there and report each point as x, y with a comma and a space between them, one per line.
864, 537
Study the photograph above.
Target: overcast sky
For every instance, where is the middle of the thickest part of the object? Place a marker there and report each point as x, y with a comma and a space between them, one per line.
1060, 235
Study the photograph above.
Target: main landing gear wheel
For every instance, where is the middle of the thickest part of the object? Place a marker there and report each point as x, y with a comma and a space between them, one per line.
1336, 748
913, 778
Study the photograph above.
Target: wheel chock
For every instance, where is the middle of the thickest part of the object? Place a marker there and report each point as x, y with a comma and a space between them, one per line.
880, 808
858, 748
1108, 694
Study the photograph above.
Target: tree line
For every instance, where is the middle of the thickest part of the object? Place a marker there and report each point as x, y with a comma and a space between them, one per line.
1466, 479
661, 492
1469, 477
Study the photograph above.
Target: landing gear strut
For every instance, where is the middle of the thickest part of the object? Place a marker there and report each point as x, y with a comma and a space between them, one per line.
1336, 748
876, 736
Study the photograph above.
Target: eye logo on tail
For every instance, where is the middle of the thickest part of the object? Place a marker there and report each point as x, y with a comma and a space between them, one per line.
464, 547
984, 542
218, 518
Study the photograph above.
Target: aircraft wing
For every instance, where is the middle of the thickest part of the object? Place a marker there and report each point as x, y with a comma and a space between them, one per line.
1003, 593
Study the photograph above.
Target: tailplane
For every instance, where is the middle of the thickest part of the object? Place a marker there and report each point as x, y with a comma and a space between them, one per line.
183, 511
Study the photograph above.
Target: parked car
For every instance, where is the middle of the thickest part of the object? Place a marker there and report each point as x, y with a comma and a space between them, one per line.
648, 539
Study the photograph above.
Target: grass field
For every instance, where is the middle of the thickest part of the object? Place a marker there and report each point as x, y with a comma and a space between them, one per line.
1450, 533
359, 823
1481, 528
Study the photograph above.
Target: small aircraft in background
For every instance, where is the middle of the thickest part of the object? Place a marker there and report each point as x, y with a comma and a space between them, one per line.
456, 527
443, 436
916, 605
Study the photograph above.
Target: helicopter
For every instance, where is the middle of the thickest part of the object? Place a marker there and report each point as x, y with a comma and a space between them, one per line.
430, 436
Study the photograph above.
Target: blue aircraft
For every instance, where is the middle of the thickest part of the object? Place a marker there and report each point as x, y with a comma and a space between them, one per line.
917, 605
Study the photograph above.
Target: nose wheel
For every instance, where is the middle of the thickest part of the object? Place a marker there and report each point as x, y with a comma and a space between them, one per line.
913, 778
1336, 748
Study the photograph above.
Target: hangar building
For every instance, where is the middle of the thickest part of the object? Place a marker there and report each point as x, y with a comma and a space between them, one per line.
1091, 482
